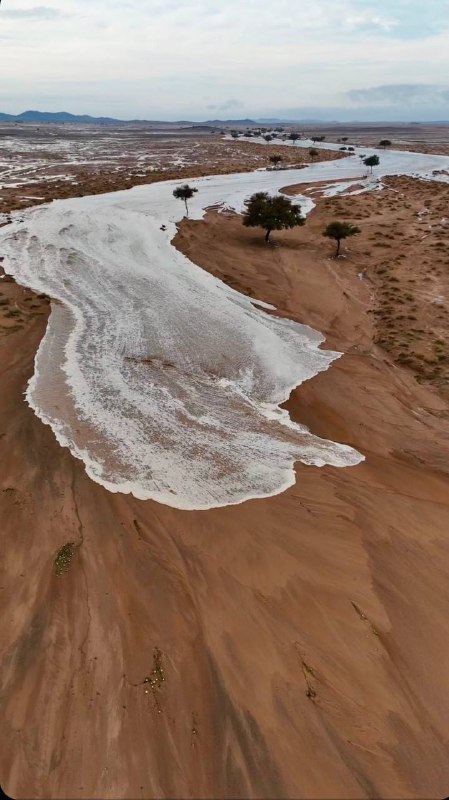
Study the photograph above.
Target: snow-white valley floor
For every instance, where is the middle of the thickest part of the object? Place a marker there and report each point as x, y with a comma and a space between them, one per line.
165, 381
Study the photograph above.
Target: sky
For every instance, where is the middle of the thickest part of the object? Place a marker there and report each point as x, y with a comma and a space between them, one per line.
206, 59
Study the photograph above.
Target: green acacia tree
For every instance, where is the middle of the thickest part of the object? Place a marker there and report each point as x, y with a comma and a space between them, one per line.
271, 213
384, 143
184, 192
372, 161
339, 231
313, 153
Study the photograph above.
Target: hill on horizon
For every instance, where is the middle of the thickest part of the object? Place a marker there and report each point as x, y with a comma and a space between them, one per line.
64, 117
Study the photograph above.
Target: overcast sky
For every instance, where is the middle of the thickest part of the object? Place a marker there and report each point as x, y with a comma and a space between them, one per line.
201, 59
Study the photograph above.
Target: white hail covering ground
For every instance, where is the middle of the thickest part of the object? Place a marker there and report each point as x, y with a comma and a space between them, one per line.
162, 379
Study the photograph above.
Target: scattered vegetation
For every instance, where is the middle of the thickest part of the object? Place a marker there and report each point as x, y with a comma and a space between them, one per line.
156, 678
64, 557
410, 285
364, 618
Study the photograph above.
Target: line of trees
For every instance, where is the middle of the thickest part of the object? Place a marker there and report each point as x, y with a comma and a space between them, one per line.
274, 133
276, 213
280, 213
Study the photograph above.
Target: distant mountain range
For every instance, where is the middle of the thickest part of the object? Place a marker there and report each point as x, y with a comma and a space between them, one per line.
62, 117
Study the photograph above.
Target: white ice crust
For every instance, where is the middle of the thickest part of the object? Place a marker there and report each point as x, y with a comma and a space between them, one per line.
166, 382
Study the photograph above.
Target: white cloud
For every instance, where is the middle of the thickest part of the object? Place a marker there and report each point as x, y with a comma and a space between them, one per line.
33, 13
402, 93
152, 57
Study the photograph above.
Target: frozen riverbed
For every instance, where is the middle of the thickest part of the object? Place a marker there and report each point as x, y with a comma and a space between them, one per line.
165, 381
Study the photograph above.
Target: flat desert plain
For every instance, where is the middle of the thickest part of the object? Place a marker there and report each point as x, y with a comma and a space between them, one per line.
293, 646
